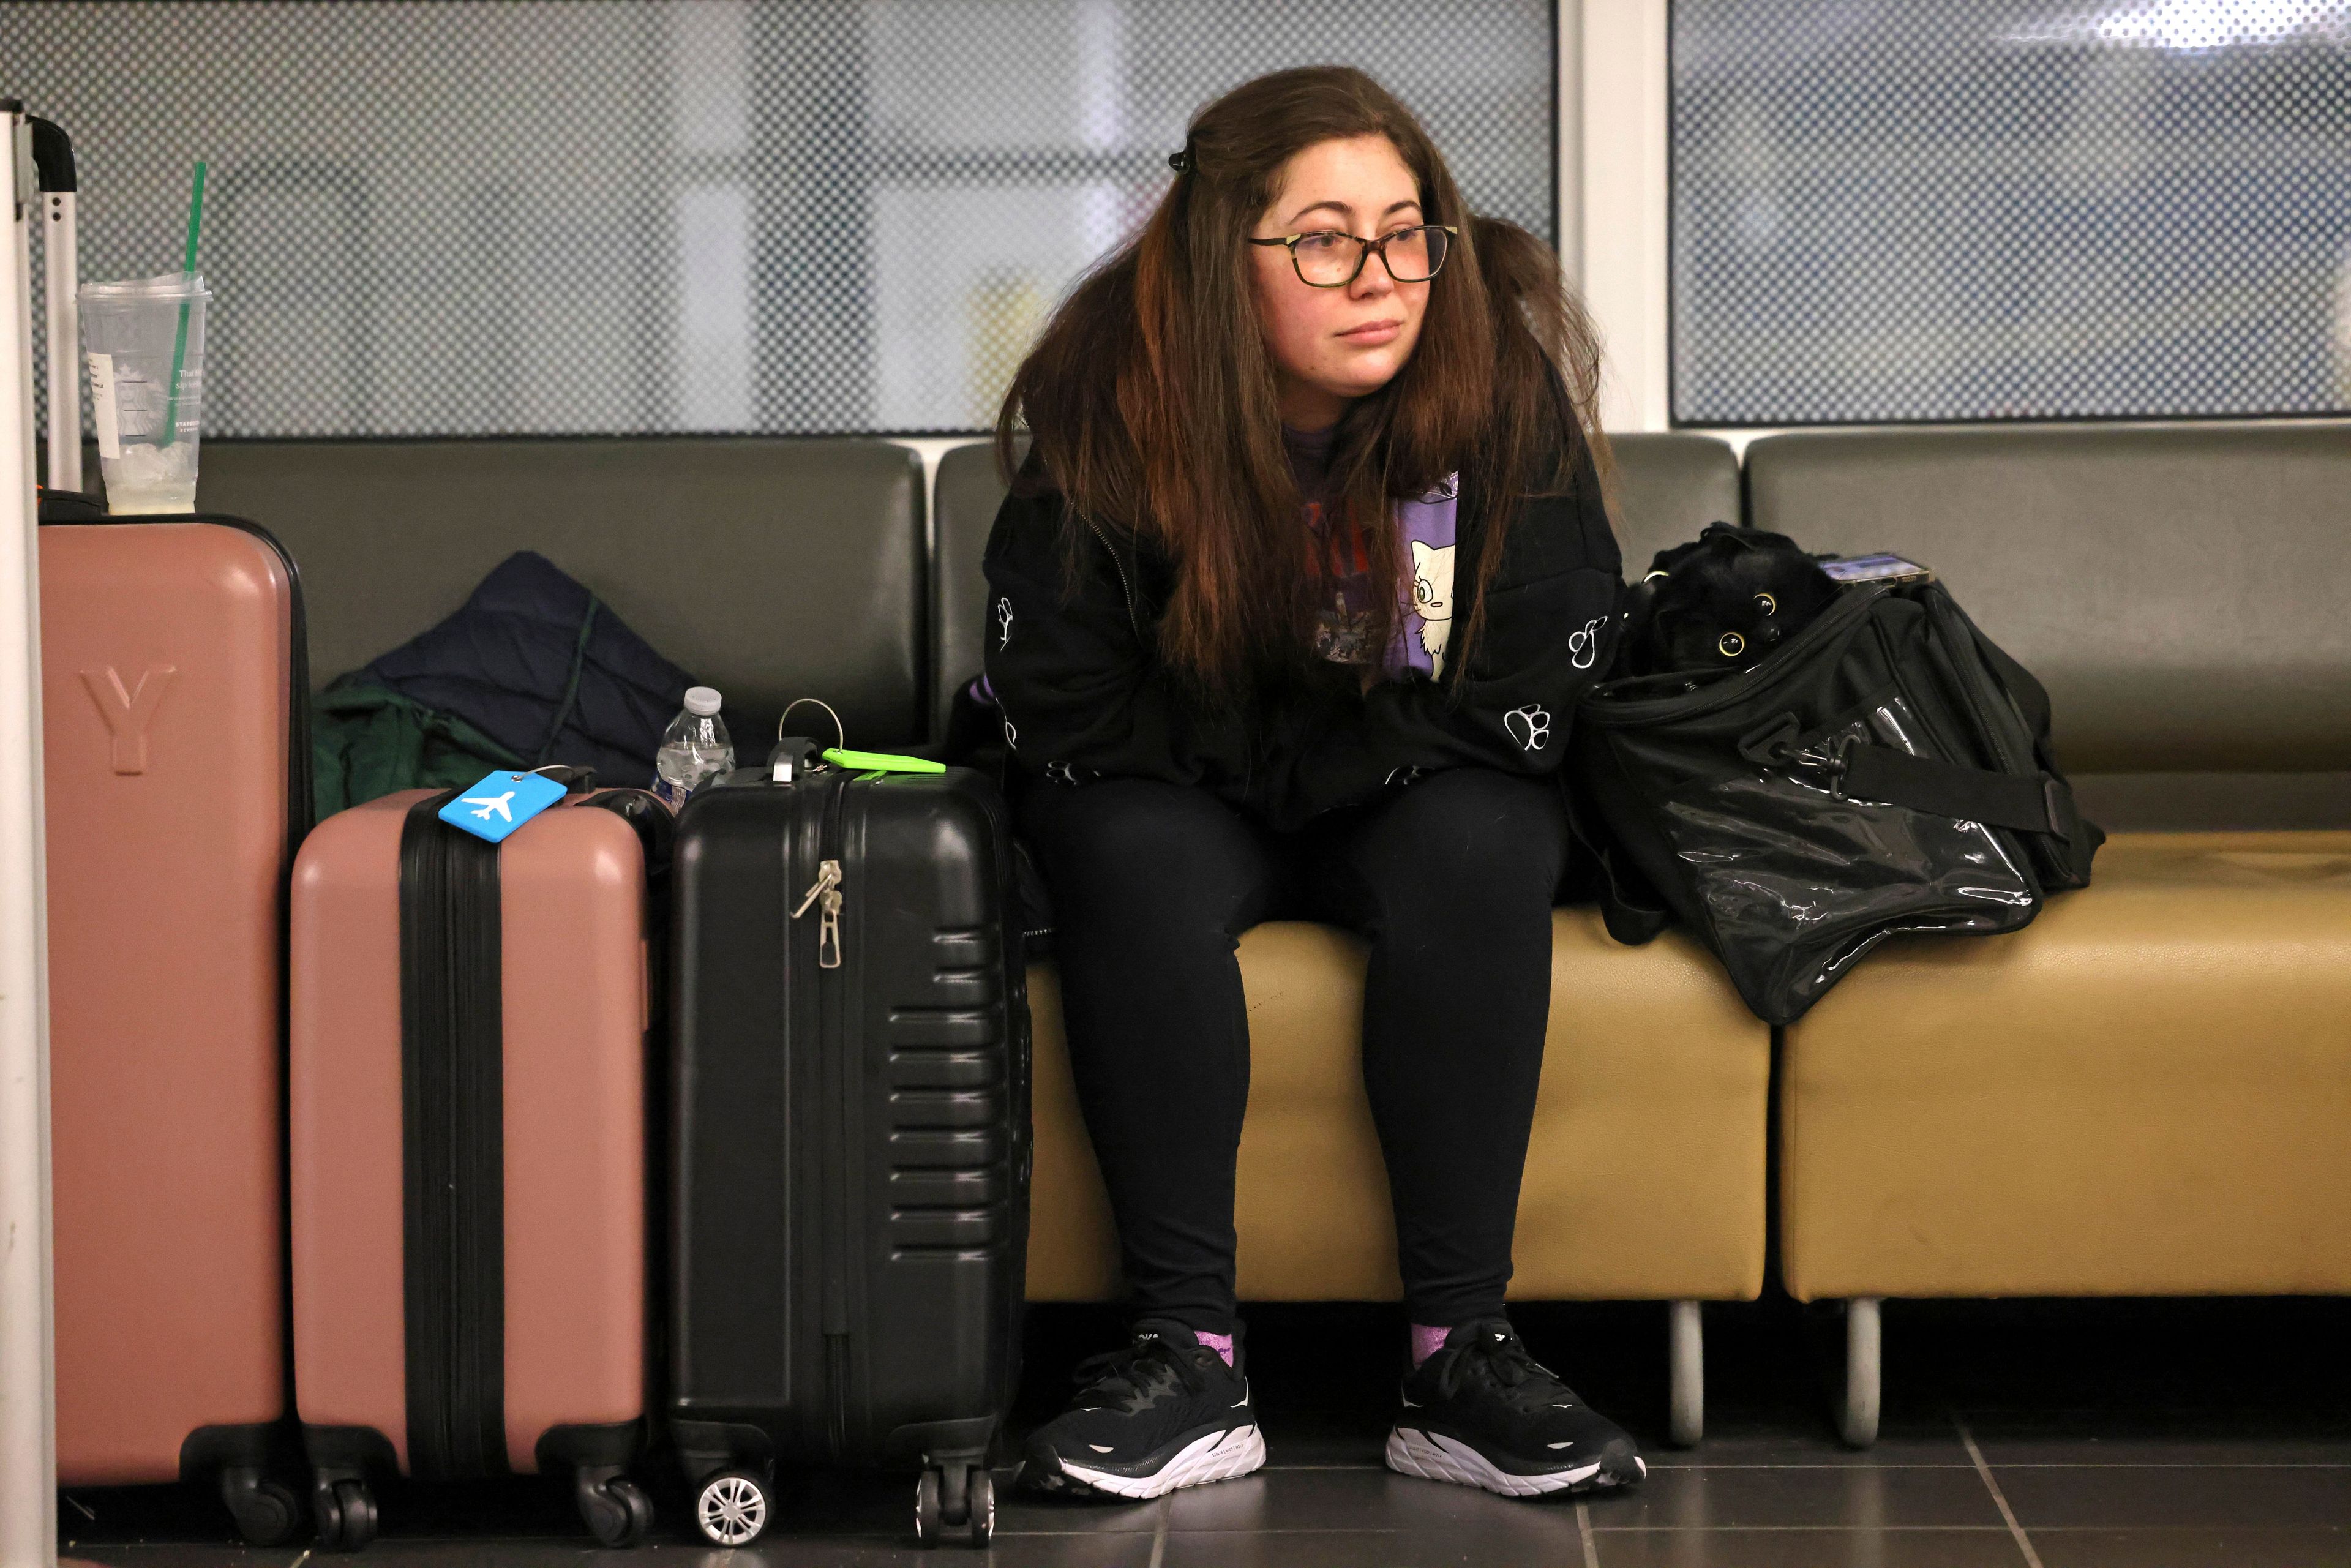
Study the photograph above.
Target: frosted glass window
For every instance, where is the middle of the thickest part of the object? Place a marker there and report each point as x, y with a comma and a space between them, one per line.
2009, 209
567, 216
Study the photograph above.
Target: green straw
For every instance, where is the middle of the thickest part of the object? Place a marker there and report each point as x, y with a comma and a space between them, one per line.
180, 342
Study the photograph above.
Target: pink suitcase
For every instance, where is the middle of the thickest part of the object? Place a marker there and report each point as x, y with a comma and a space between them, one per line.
469, 1059
177, 783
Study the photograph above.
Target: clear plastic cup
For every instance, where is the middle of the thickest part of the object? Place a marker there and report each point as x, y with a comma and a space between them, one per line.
146, 436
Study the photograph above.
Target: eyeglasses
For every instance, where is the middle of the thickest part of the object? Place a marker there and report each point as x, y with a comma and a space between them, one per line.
1328, 259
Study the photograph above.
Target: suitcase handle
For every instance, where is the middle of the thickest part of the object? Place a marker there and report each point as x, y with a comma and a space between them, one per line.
576, 780
839, 730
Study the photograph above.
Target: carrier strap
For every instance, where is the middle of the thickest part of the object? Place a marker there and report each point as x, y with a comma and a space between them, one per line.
1628, 917
2041, 803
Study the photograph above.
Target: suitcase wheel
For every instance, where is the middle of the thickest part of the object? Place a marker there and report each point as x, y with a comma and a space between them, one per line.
732, 1507
616, 1510
955, 1499
267, 1512
982, 1528
345, 1513
929, 1520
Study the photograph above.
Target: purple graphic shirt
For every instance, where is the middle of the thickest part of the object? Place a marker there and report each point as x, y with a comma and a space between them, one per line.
1426, 528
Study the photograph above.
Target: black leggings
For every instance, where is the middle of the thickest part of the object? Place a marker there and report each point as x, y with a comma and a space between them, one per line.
1450, 878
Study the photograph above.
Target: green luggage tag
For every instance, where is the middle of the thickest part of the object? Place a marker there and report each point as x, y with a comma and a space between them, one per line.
880, 762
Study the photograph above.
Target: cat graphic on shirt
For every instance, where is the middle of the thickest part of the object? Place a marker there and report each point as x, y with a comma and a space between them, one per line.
1432, 600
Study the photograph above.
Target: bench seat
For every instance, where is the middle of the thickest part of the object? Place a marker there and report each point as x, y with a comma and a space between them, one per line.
2145, 1092
1644, 1178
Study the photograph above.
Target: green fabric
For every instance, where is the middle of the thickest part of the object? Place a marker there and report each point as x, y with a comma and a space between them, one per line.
368, 742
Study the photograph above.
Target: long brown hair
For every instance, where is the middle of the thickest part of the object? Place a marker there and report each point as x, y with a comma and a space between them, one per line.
1150, 396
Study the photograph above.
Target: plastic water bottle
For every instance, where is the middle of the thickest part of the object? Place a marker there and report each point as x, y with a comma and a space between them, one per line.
695, 749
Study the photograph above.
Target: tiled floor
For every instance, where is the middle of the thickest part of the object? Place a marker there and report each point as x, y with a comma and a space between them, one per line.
2065, 1435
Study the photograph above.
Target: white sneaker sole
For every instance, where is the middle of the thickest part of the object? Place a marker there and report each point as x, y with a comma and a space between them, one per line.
1434, 1457
1218, 1457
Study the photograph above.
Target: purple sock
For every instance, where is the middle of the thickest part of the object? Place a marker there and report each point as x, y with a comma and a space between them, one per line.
1427, 1340
1222, 1343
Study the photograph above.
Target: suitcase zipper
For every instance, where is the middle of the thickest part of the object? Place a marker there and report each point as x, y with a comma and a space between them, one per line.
836, 1182
826, 894
842, 1058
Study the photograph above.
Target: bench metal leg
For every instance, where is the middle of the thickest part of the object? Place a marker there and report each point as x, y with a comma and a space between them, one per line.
1858, 1422
1686, 1355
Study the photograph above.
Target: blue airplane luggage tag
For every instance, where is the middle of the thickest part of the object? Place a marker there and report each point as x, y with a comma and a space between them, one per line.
502, 803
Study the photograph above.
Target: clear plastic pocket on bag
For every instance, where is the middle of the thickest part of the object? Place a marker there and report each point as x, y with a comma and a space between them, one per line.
1767, 845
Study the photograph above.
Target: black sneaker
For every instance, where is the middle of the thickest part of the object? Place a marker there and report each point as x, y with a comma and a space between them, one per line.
1481, 1412
1162, 1412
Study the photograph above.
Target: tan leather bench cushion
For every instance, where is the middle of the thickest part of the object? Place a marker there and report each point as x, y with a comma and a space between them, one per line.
2147, 1092
1645, 1179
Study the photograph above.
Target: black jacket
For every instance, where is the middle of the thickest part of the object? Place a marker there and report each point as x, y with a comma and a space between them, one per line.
1085, 694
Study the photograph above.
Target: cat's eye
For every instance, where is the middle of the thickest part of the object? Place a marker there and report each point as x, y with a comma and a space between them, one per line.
1733, 644
1655, 575
1769, 603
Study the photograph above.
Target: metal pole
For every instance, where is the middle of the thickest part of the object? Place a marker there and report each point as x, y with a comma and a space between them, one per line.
61, 267
53, 165
28, 1459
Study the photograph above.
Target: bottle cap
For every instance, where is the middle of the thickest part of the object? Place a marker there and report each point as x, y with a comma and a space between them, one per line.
702, 701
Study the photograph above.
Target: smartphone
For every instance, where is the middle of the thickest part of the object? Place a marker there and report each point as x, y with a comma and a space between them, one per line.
1876, 569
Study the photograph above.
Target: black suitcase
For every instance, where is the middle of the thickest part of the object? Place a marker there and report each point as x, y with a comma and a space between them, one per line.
850, 1141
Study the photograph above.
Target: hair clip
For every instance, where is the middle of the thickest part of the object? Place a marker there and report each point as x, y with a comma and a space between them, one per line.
1180, 162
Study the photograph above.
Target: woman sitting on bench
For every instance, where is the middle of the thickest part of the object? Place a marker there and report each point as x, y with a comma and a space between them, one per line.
1291, 602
